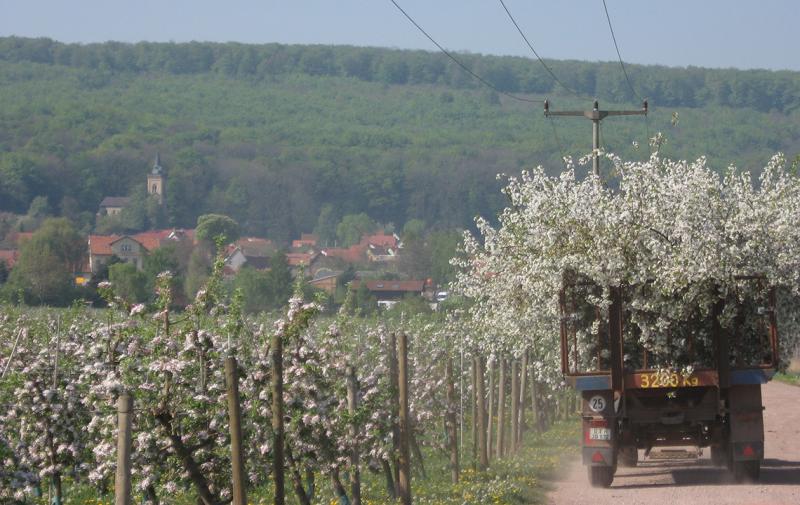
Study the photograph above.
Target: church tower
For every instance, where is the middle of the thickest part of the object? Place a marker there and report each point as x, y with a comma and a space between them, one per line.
155, 181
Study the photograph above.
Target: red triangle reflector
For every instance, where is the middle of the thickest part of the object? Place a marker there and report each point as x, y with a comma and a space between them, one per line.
748, 451
598, 458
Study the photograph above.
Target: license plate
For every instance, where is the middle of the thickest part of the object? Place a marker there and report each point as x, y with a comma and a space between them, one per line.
668, 380
599, 434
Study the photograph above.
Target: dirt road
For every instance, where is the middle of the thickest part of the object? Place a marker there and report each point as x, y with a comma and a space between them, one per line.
697, 482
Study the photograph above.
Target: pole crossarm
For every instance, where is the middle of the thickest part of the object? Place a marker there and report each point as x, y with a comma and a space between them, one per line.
595, 115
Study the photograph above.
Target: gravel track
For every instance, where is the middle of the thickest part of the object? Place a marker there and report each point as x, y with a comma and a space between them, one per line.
689, 482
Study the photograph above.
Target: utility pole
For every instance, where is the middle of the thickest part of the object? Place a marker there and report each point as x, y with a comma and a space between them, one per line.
595, 115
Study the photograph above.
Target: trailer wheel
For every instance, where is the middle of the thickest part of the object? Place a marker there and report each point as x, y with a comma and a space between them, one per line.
601, 476
628, 456
746, 471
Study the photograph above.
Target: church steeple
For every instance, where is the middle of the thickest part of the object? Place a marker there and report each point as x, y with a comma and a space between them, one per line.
155, 180
157, 170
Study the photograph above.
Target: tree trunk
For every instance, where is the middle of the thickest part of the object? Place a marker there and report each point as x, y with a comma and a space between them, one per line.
310, 483
501, 409
512, 439
57, 491
297, 480
474, 418
352, 405
536, 415
391, 489
189, 464
490, 410
417, 453
338, 488
523, 383
481, 394
450, 421
151, 494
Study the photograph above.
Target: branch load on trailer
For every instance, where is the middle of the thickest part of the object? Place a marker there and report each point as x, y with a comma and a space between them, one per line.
698, 384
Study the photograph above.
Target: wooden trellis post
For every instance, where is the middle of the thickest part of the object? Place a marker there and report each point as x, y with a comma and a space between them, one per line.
122, 479
235, 426
277, 419
352, 405
405, 425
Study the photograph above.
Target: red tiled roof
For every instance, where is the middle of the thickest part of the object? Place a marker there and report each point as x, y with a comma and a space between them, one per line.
382, 286
20, 236
180, 234
353, 254
151, 239
297, 259
100, 245
255, 246
9, 256
380, 240
306, 240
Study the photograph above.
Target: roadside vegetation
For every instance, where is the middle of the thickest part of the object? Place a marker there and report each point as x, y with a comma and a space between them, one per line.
792, 374
522, 479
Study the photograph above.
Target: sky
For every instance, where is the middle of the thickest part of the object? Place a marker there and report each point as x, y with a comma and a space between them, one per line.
678, 33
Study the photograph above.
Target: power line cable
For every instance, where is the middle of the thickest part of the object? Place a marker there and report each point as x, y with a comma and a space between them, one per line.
619, 56
528, 42
461, 64
625, 71
558, 141
549, 71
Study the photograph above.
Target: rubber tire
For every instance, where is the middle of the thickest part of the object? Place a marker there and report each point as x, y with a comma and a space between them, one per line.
628, 456
719, 456
746, 471
601, 476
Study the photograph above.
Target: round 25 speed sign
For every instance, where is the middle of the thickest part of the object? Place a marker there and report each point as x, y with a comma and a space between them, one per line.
597, 403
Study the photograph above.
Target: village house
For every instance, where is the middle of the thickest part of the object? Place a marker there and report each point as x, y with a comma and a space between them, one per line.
380, 254
389, 292
379, 247
10, 252
9, 257
251, 251
382, 240
326, 280
303, 261
113, 205
307, 241
350, 255
131, 248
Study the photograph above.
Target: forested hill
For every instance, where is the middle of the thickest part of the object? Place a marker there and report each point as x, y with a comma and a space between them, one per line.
286, 137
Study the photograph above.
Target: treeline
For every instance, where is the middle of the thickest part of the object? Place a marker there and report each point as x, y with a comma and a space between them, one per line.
284, 145
685, 87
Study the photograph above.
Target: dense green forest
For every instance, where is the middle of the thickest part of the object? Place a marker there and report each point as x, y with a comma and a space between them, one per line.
288, 138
